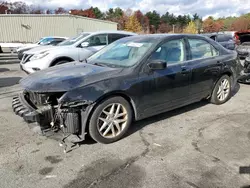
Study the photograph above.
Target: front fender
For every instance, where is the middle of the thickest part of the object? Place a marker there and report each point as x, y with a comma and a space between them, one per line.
68, 52
92, 92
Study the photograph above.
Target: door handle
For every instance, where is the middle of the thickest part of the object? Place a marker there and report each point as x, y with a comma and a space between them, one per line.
184, 70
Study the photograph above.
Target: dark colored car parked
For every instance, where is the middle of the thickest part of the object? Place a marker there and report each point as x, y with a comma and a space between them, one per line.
226, 40
131, 79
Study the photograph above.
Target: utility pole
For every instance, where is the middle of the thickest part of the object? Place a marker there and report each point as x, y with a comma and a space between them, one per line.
173, 28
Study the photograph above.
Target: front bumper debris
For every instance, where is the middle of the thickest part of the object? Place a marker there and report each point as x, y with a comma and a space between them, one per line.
38, 121
22, 108
52, 121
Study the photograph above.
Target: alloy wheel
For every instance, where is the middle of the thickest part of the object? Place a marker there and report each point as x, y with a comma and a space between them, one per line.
223, 91
112, 120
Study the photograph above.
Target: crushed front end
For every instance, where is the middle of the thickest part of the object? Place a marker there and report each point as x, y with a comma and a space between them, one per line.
245, 73
44, 113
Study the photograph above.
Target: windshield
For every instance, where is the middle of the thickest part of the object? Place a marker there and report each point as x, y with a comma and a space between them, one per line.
73, 40
122, 53
45, 41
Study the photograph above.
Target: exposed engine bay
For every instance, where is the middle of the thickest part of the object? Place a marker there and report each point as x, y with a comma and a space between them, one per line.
48, 115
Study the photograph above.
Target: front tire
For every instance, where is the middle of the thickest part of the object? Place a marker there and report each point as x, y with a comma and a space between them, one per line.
222, 91
61, 62
110, 120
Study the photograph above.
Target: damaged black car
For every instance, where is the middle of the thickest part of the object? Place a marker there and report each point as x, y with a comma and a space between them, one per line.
131, 79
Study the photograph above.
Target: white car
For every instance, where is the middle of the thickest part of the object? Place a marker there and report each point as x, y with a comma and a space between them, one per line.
75, 49
52, 40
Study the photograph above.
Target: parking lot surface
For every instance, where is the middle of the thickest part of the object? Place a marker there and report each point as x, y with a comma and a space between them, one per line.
198, 146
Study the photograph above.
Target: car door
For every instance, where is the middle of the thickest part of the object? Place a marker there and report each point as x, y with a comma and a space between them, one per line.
205, 64
95, 43
171, 84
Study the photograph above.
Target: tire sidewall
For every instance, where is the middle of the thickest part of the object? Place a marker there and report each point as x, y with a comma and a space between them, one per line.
214, 98
246, 81
61, 62
93, 130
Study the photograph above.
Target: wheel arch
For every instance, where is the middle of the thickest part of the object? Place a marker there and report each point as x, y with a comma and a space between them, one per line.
109, 95
228, 73
60, 59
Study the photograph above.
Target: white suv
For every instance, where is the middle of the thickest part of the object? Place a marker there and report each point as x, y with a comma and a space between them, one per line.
75, 49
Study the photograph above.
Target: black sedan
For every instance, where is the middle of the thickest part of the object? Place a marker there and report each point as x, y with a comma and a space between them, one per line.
130, 79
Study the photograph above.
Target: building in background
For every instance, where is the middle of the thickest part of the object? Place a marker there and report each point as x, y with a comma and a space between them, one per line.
31, 27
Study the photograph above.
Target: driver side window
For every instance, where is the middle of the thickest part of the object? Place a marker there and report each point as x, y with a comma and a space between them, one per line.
172, 52
97, 40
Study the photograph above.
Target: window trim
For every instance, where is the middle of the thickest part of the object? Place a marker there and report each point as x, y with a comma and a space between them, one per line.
190, 52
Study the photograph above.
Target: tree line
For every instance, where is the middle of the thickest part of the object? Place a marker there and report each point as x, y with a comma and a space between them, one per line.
136, 21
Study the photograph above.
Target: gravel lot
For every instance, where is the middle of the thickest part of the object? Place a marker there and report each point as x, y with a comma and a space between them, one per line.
198, 146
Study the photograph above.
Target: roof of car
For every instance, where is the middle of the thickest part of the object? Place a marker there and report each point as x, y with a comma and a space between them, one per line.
111, 31
55, 37
161, 36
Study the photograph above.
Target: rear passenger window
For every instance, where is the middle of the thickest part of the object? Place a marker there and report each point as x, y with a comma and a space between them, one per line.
114, 37
97, 40
201, 49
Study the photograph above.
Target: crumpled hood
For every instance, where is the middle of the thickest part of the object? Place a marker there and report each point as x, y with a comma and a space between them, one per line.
67, 77
40, 49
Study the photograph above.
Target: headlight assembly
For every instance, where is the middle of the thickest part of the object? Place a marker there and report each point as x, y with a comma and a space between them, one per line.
39, 56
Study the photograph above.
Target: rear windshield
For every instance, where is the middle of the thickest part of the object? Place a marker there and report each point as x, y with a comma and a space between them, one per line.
224, 38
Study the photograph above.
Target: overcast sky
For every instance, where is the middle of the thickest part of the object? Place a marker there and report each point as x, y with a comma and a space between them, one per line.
204, 8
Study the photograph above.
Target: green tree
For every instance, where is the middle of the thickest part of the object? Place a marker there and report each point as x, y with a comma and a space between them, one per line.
169, 19
154, 19
114, 13
196, 16
98, 13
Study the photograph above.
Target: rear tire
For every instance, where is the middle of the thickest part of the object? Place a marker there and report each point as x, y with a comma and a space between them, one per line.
246, 81
222, 91
110, 120
61, 62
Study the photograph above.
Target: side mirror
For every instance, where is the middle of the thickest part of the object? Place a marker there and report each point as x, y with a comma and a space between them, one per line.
84, 44
157, 65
